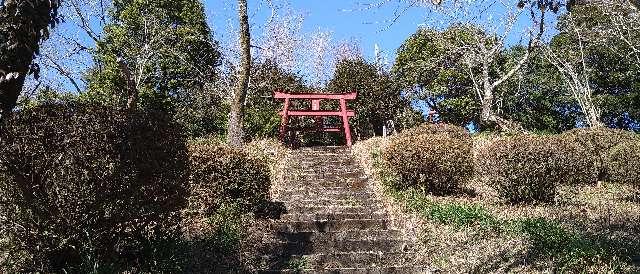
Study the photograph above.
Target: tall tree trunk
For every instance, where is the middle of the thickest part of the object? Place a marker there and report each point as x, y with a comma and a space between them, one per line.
23, 24
132, 90
235, 131
487, 106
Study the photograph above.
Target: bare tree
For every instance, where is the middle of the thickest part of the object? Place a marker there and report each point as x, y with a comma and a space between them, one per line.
622, 25
235, 133
618, 27
483, 54
66, 55
347, 50
577, 80
319, 57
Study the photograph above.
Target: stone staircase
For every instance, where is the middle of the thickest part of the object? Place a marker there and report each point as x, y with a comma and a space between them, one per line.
333, 222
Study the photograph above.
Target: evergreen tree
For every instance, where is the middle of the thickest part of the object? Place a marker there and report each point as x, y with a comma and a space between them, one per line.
379, 97
159, 51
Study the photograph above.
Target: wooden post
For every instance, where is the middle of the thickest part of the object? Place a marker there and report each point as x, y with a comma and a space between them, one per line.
285, 120
315, 105
345, 121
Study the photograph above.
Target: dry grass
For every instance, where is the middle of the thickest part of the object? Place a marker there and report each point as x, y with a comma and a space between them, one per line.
588, 228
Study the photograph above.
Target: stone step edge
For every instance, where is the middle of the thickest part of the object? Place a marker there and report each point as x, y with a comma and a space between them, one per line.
375, 269
346, 253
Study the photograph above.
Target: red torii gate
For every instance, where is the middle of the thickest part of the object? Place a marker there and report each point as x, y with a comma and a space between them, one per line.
315, 111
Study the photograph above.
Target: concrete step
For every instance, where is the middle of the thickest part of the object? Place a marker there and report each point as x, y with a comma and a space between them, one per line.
321, 168
330, 226
327, 161
353, 184
312, 154
286, 248
332, 216
333, 203
294, 208
369, 270
348, 235
353, 260
305, 186
310, 194
355, 235
323, 165
327, 177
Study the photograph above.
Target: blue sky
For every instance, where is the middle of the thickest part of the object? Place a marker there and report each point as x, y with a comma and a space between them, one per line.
349, 19
345, 18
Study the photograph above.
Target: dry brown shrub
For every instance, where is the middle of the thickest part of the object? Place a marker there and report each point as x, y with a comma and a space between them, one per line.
270, 151
224, 175
597, 142
436, 163
528, 168
623, 163
87, 184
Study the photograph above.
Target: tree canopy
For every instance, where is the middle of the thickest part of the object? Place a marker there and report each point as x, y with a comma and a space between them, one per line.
163, 50
379, 96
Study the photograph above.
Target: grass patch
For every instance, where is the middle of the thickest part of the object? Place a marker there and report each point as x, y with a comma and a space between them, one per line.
297, 264
227, 224
458, 215
571, 251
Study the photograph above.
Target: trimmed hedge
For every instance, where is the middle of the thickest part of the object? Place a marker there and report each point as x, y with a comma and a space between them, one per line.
88, 185
597, 142
529, 168
437, 163
623, 163
452, 131
224, 175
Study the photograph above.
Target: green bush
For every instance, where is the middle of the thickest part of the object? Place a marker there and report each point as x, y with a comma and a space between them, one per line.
223, 175
436, 163
88, 187
623, 163
529, 168
597, 142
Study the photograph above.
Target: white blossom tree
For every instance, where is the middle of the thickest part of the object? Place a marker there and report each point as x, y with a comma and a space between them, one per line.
282, 37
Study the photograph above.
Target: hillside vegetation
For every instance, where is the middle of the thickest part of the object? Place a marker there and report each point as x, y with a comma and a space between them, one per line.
533, 204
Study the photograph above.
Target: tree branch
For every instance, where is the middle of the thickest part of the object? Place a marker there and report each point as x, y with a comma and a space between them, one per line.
63, 72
